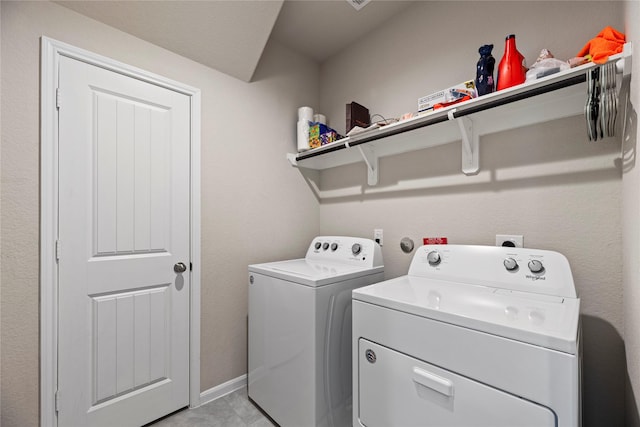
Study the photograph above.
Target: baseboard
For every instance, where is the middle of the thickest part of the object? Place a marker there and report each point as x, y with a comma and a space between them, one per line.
223, 389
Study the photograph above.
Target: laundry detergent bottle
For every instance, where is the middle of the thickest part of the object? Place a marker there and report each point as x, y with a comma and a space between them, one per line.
511, 70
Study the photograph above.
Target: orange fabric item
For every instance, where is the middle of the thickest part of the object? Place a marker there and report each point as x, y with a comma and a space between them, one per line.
607, 42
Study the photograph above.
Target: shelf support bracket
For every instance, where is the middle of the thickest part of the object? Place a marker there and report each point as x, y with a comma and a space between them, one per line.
371, 161
623, 65
470, 144
292, 159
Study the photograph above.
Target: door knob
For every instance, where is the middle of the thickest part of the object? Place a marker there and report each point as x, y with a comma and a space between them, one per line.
180, 267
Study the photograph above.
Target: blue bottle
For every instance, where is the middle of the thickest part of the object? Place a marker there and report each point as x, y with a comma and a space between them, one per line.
484, 71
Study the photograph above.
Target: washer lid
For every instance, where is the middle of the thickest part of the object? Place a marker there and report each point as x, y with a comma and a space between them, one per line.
543, 320
312, 273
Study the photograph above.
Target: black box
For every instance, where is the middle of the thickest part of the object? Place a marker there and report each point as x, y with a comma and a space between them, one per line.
357, 115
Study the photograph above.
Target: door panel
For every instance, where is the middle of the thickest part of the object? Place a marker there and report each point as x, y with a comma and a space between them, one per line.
125, 345
126, 176
123, 224
395, 389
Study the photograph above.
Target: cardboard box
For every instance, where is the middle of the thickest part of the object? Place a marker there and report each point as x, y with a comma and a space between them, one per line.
320, 134
451, 94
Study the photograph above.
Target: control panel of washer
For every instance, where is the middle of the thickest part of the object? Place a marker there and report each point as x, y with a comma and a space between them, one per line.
352, 250
521, 269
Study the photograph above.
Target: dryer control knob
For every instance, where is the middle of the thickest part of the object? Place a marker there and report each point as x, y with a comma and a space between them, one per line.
510, 264
318, 245
434, 258
334, 247
325, 246
356, 248
536, 266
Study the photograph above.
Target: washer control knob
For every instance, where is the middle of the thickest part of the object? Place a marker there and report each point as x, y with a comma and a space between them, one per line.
356, 248
334, 247
536, 266
325, 246
318, 245
433, 258
510, 264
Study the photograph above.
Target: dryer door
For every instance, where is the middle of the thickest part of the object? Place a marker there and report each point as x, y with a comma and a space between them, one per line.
398, 390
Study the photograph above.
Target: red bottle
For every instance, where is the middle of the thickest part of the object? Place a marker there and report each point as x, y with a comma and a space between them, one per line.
511, 70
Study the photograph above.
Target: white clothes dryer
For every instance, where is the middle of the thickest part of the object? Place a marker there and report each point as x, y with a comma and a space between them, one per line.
472, 336
300, 331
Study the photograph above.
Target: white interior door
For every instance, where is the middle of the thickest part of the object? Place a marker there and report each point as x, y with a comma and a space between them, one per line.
123, 343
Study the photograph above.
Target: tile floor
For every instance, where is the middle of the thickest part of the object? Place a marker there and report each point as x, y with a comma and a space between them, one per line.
232, 410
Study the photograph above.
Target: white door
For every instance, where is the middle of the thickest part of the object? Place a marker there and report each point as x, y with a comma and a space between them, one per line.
123, 343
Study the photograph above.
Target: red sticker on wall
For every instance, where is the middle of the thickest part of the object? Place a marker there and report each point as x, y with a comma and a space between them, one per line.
434, 241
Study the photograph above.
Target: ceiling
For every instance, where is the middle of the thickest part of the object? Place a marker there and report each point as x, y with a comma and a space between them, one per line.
230, 35
226, 35
320, 29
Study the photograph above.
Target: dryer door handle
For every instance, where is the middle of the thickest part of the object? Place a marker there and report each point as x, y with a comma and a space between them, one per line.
433, 381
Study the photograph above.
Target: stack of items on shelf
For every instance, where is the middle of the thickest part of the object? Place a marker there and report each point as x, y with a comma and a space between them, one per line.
600, 111
453, 95
313, 131
512, 69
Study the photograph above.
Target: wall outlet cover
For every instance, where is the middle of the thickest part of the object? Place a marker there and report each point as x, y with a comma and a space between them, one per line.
378, 236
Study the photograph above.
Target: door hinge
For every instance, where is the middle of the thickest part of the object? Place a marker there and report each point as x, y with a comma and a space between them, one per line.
57, 400
57, 250
57, 97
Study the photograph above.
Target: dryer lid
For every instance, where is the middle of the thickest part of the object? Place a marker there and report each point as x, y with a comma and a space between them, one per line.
312, 273
544, 320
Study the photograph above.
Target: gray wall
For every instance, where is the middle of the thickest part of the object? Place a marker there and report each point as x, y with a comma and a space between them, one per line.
255, 206
631, 228
545, 182
0, 227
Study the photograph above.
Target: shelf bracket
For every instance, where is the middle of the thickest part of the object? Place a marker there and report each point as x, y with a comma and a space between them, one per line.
292, 159
371, 161
623, 65
470, 144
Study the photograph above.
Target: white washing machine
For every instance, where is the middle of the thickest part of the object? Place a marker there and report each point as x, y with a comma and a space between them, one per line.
300, 331
472, 336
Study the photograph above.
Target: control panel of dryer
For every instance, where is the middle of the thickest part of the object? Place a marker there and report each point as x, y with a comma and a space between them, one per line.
350, 250
519, 269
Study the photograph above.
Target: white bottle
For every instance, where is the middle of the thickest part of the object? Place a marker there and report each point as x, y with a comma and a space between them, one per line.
303, 135
305, 115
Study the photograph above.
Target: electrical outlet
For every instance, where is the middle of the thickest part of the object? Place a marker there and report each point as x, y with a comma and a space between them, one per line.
377, 235
510, 240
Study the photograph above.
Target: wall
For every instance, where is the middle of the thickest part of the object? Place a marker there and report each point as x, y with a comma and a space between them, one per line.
544, 182
255, 206
631, 227
0, 225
